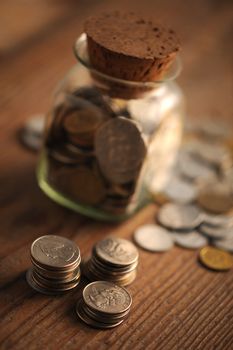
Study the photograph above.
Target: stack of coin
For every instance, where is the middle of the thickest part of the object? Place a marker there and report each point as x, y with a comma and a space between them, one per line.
113, 259
55, 265
104, 305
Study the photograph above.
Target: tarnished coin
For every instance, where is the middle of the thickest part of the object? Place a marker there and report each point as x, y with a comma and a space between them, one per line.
116, 251
224, 244
120, 150
54, 251
153, 238
179, 217
189, 240
106, 297
216, 199
216, 259
216, 232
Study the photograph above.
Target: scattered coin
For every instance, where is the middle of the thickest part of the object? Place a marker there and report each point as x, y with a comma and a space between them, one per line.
32, 132
224, 244
189, 240
194, 169
153, 238
55, 265
216, 232
179, 217
113, 259
217, 220
216, 259
181, 191
104, 305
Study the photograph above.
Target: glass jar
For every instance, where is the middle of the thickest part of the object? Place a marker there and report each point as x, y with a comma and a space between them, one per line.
108, 140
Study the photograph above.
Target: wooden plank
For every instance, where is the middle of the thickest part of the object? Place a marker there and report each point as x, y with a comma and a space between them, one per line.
177, 304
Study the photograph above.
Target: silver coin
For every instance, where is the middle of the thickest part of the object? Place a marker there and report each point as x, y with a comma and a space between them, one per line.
181, 191
225, 244
208, 127
179, 217
153, 238
212, 153
217, 220
31, 141
216, 232
116, 251
194, 169
35, 125
55, 252
190, 240
106, 297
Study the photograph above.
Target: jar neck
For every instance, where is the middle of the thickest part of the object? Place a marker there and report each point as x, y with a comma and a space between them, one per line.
81, 53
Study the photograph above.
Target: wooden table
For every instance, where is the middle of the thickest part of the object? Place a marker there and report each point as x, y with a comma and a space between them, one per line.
177, 304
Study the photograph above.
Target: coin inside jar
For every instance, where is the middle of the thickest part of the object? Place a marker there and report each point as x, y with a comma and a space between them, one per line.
81, 123
82, 184
120, 150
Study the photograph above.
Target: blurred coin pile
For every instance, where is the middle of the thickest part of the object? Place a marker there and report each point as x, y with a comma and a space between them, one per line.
55, 265
94, 154
197, 201
104, 305
113, 259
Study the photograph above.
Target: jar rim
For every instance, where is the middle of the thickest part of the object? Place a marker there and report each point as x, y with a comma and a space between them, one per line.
80, 51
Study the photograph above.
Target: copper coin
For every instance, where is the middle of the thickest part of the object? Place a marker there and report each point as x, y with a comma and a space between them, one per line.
81, 124
216, 259
82, 184
120, 150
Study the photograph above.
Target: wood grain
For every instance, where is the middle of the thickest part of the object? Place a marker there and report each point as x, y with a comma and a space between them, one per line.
177, 304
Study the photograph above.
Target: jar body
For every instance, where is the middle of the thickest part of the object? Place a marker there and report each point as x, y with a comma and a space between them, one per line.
70, 169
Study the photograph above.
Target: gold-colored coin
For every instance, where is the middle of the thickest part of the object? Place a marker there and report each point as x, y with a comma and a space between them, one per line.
216, 259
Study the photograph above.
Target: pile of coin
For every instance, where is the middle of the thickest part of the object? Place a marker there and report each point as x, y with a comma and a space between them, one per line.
94, 154
55, 265
104, 305
187, 226
113, 259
